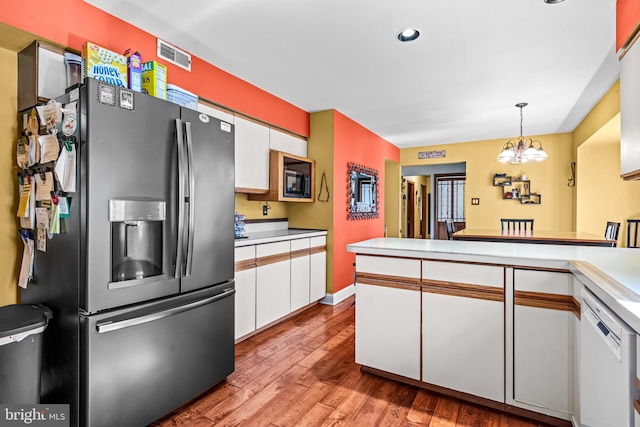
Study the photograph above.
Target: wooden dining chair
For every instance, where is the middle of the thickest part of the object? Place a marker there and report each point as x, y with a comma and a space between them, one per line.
632, 233
451, 228
511, 224
611, 232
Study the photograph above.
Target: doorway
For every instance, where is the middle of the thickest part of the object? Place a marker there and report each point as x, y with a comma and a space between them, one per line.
449, 204
411, 220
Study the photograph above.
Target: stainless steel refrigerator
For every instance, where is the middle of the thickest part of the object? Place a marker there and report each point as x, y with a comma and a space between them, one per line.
140, 280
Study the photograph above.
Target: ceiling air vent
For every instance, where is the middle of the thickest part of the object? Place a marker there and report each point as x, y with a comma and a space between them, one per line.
174, 55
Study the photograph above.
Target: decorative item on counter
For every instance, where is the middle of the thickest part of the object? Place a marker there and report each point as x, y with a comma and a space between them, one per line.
134, 70
154, 79
239, 228
104, 65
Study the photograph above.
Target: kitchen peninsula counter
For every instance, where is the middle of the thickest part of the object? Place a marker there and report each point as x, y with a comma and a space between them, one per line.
612, 274
497, 324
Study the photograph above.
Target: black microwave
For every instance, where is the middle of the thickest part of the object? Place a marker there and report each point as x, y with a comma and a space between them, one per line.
297, 184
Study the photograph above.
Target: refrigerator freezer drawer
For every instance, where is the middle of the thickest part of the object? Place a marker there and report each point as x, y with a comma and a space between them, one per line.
142, 363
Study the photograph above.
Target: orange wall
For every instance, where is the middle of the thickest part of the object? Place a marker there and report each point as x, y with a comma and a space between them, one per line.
70, 23
355, 144
627, 17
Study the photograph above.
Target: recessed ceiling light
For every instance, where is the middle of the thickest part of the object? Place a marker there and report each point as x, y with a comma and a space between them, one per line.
408, 34
553, 1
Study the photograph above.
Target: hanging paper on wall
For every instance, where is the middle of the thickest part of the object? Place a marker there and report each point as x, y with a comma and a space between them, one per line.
49, 148
66, 168
44, 186
26, 269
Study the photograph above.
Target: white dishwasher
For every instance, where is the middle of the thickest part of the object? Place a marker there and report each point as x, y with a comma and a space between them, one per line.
607, 366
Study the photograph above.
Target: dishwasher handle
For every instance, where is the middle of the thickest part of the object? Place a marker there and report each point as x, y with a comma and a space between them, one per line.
110, 326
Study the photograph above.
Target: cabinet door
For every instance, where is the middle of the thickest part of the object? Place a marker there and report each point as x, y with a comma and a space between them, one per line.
318, 269
251, 155
629, 111
245, 300
286, 143
273, 282
300, 267
388, 315
463, 328
543, 329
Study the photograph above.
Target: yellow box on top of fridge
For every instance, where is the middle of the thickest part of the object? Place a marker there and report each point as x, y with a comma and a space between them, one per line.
104, 65
154, 79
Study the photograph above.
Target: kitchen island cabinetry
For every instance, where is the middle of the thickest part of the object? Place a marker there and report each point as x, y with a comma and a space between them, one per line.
463, 327
545, 315
388, 315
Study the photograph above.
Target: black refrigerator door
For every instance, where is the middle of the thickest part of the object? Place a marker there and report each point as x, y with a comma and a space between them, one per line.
128, 170
141, 363
209, 215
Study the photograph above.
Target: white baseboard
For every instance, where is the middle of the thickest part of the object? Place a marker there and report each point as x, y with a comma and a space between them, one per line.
341, 295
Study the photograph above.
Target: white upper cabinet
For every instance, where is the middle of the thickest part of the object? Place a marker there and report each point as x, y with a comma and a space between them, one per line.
251, 156
629, 113
287, 143
214, 112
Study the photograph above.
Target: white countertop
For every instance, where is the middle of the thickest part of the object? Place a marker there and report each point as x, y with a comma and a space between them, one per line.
613, 274
256, 238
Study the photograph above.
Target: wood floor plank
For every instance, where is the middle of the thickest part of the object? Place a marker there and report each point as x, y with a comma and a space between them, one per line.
446, 413
422, 408
302, 372
396, 412
469, 416
347, 410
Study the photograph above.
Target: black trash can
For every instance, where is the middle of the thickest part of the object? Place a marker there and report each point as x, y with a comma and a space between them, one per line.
21, 328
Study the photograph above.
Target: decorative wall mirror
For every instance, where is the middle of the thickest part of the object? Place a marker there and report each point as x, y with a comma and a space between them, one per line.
362, 192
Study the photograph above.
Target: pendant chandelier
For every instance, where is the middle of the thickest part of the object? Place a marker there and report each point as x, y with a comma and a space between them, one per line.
523, 150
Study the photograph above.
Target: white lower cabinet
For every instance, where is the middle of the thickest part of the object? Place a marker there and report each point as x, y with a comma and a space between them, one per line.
300, 273
388, 315
463, 328
317, 268
273, 282
543, 342
245, 297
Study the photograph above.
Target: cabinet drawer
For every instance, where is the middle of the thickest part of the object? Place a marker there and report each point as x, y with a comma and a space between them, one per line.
275, 248
400, 267
456, 272
549, 282
300, 244
318, 241
245, 252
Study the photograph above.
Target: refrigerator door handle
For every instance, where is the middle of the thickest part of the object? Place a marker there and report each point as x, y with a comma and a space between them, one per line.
109, 326
181, 167
191, 196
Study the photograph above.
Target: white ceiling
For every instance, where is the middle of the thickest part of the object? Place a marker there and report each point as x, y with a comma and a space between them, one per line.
474, 60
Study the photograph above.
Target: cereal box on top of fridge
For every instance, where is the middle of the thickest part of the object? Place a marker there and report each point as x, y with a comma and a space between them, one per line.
154, 79
134, 65
104, 65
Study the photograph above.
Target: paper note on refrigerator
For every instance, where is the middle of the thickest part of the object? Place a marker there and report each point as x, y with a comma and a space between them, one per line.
49, 148
26, 269
42, 225
66, 169
44, 186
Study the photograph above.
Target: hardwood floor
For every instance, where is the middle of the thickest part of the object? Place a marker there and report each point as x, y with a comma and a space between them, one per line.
302, 373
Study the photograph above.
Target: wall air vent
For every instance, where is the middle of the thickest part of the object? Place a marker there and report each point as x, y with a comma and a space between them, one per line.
174, 55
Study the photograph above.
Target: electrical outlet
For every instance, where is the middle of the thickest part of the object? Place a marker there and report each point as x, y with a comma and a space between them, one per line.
265, 208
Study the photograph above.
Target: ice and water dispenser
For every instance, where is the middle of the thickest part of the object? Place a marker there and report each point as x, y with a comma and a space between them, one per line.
136, 240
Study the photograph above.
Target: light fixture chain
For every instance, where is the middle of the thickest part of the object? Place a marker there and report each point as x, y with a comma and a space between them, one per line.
521, 119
